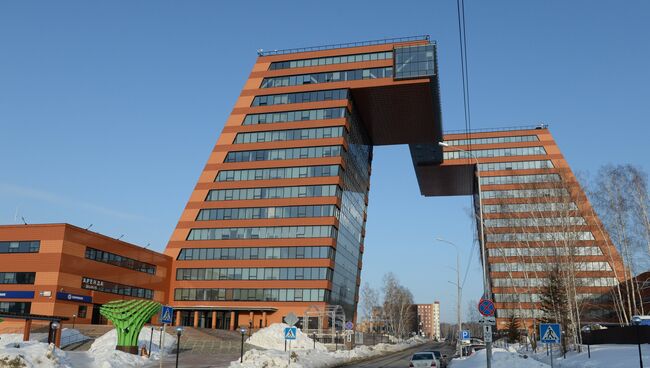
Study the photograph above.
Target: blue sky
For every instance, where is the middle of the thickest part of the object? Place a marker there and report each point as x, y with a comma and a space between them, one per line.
108, 110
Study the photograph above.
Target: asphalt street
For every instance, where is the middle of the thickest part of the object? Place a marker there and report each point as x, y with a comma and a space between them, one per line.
401, 359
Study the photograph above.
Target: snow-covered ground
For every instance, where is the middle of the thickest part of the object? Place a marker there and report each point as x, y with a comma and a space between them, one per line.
102, 353
303, 354
605, 356
501, 358
602, 356
32, 354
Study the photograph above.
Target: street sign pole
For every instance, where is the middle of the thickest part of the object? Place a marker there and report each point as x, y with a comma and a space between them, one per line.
162, 343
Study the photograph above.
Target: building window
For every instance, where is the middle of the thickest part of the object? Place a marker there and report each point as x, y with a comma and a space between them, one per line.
553, 236
115, 288
331, 60
545, 251
16, 307
279, 295
301, 97
20, 246
525, 193
289, 135
327, 77
520, 179
199, 254
17, 277
535, 221
118, 260
297, 115
268, 273
517, 165
81, 311
529, 207
493, 140
284, 154
277, 232
303, 191
415, 61
279, 173
267, 212
496, 152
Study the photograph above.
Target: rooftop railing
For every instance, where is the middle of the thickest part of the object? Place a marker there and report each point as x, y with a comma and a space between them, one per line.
503, 129
384, 41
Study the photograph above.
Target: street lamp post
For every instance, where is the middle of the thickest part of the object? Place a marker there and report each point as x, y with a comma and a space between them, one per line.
636, 321
486, 284
458, 291
151, 341
54, 326
241, 354
179, 332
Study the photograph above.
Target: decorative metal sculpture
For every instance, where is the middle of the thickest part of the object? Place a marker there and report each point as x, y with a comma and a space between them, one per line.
128, 317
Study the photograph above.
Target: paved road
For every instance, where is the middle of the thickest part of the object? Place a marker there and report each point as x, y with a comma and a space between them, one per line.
401, 359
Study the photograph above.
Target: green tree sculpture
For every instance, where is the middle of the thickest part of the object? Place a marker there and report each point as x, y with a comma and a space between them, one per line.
128, 317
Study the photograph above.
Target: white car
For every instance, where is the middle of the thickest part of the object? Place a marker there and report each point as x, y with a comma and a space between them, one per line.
424, 359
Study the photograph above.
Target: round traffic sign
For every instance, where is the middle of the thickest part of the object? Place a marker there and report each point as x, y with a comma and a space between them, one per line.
486, 307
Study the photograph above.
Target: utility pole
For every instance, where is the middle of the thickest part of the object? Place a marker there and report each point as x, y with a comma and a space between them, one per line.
458, 294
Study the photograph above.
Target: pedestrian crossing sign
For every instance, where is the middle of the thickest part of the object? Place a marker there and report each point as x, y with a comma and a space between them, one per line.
166, 314
290, 333
550, 333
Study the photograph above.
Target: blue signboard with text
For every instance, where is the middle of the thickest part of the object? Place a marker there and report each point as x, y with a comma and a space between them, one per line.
17, 294
74, 297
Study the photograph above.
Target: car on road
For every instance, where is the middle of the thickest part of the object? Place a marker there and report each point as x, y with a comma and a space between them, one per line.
427, 359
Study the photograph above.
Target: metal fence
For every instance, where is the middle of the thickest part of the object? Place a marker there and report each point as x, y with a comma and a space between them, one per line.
344, 45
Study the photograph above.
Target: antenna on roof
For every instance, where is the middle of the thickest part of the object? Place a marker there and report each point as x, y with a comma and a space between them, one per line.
260, 52
89, 226
147, 246
121, 236
23, 218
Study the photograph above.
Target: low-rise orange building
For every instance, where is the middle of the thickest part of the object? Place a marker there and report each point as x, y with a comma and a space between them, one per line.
64, 270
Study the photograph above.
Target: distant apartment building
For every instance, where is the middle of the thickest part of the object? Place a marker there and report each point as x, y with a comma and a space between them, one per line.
429, 320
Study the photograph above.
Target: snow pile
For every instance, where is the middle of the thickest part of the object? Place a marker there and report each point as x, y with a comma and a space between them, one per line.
272, 337
306, 356
68, 336
610, 356
105, 356
501, 358
32, 354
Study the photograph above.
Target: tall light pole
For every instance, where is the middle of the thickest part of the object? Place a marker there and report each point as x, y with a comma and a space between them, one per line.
458, 291
486, 284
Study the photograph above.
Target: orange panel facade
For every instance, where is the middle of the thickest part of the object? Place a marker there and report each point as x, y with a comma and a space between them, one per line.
276, 221
537, 220
63, 270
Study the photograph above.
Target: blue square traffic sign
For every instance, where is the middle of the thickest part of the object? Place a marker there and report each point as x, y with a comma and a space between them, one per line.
464, 335
290, 333
550, 333
166, 314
